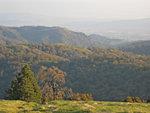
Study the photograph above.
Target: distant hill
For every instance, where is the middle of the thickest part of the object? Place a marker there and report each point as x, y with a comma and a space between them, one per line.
9, 35
140, 47
138, 29
109, 42
40, 34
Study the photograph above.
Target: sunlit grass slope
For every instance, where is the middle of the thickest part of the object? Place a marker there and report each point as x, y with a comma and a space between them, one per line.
72, 107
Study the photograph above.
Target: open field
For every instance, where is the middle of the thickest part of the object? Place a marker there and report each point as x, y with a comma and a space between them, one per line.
72, 107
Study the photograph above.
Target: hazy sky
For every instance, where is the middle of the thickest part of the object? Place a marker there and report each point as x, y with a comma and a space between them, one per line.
80, 9
79, 15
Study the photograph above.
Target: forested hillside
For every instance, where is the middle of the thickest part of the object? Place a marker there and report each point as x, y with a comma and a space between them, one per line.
109, 42
108, 74
141, 47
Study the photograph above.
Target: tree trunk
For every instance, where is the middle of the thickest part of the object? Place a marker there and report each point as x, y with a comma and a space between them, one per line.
54, 91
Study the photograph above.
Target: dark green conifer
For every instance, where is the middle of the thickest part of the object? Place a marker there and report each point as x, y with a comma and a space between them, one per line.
24, 87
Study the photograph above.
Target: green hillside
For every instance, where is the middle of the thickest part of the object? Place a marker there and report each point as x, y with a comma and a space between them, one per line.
107, 74
72, 107
9, 35
141, 47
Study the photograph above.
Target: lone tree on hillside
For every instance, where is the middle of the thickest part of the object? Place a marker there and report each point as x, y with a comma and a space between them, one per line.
24, 87
51, 80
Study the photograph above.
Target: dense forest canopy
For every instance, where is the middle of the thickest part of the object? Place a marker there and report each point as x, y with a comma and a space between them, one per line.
106, 73
140, 47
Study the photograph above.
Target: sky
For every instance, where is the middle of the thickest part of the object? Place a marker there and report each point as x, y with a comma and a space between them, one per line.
78, 9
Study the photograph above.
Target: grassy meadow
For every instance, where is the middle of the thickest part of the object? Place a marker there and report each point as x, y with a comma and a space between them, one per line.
7, 106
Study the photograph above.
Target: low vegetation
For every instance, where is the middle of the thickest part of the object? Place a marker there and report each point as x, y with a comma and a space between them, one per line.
72, 107
133, 100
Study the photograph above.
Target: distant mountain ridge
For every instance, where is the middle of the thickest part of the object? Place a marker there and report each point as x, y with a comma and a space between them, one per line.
136, 29
41, 34
109, 42
9, 35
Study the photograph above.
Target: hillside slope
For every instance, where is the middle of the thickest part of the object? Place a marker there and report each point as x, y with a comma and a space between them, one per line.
109, 42
41, 34
108, 74
140, 47
72, 107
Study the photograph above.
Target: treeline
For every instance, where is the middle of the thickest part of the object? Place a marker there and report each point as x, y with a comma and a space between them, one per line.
49, 86
141, 48
107, 74
136, 100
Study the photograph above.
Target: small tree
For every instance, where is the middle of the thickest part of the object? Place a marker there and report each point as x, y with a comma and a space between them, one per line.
128, 99
24, 87
148, 100
137, 99
51, 80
